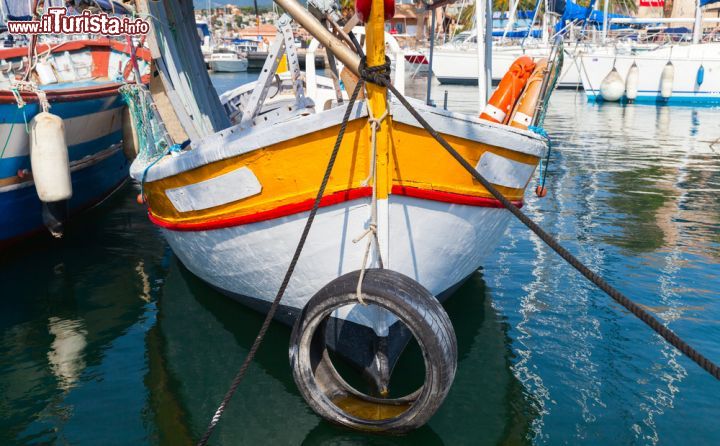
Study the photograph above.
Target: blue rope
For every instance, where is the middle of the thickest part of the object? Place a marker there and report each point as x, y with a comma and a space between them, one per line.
539, 131
27, 130
543, 166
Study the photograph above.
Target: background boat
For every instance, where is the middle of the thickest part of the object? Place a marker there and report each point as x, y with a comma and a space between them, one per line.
682, 74
227, 60
80, 80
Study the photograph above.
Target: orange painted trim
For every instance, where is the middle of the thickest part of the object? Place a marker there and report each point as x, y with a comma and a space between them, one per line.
328, 200
101, 61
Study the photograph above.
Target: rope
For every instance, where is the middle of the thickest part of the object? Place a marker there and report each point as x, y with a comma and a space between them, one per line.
175, 148
276, 303
30, 87
21, 106
372, 228
593, 277
543, 168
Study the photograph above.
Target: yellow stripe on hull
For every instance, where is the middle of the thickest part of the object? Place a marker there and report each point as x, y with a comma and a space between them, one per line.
420, 161
290, 172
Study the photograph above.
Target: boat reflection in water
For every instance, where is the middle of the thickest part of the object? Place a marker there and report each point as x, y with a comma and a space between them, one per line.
72, 320
201, 338
67, 350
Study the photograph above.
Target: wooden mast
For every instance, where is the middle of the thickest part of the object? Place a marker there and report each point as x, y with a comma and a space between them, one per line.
377, 101
377, 95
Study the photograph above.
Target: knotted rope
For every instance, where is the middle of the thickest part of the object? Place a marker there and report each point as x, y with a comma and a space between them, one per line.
30, 87
371, 231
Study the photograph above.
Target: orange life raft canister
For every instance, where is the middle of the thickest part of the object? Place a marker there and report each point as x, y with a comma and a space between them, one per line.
503, 99
522, 115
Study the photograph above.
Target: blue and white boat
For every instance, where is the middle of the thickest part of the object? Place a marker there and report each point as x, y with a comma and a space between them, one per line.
77, 82
682, 72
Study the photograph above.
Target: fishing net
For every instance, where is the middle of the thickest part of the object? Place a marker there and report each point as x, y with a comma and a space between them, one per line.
153, 140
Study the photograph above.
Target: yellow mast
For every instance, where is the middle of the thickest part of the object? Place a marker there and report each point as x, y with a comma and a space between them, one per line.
377, 95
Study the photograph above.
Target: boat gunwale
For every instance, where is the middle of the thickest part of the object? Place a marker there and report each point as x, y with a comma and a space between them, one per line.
106, 87
74, 45
65, 94
234, 141
339, 197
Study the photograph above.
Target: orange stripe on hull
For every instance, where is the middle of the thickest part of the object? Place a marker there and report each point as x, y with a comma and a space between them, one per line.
328, 200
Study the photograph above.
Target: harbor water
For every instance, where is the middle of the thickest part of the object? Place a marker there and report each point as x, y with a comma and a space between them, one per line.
105, 338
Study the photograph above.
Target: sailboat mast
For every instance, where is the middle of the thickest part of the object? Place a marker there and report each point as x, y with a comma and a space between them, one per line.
697, 28
480, 19
606, 7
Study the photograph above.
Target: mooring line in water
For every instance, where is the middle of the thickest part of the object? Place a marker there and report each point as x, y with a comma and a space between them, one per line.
593, 277
276, 303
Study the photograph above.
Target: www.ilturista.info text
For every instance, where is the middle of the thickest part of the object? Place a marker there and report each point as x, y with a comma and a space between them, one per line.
57, 21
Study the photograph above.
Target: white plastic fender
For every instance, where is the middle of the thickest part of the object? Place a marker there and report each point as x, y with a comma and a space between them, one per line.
612, 87
631, 82
49, 158
666, 80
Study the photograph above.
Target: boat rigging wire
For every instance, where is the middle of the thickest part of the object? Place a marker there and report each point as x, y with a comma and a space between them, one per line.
291, 268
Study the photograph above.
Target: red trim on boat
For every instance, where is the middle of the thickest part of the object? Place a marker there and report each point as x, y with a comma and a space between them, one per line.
449, 197
416, 59
328, 200
65, 95
73, 45
101, 55
281, 211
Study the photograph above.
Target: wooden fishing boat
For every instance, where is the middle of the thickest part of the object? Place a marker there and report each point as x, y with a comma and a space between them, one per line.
76, 81
399, 226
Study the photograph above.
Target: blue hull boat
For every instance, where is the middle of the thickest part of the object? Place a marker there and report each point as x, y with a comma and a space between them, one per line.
79, 81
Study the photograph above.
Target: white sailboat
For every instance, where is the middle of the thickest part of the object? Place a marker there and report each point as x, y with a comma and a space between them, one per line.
673, 74
454, 63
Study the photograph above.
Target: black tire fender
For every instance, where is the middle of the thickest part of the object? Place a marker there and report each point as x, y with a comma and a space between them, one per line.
321, 385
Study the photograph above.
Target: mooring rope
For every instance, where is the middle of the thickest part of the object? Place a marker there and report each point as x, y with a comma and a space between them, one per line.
283, 286
382, 78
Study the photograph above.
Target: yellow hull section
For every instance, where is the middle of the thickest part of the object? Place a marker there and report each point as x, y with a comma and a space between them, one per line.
290, 172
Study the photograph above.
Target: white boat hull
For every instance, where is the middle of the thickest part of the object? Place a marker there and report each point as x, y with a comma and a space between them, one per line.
460, 66
229, 66
686, 60
437, 244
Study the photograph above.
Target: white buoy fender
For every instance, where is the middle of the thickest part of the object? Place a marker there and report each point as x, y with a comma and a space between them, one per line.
49, 158
631, 82
666, 80
612, 87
